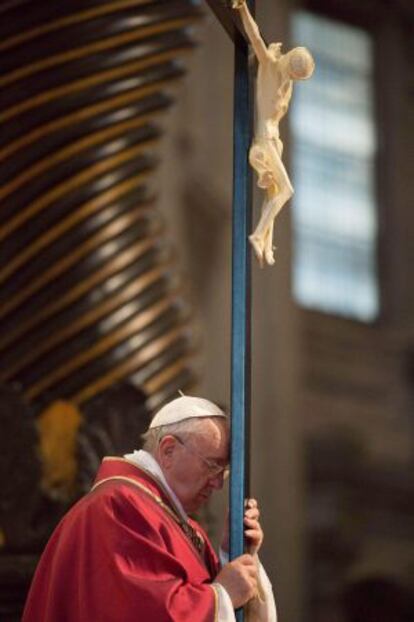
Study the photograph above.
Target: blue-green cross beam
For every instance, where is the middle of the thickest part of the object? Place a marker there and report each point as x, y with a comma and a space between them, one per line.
241, 279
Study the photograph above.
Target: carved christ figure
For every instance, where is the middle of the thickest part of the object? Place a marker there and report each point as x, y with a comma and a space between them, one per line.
275, 75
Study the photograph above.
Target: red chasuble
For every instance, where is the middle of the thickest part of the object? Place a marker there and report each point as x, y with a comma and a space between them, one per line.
122, 554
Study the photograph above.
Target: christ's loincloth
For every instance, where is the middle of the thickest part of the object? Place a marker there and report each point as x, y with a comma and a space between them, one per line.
265, 159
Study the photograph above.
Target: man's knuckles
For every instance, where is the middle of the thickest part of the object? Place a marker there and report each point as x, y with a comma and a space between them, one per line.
239, 577
249, 587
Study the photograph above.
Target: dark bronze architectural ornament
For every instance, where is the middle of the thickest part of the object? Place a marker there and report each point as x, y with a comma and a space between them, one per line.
88, 295
93, 322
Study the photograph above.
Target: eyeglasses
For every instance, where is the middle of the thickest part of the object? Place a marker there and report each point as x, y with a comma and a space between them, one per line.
214, 468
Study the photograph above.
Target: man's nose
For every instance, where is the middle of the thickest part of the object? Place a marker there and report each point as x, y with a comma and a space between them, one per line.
217, 481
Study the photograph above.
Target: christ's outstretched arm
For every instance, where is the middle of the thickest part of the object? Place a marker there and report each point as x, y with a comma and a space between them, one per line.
252, 30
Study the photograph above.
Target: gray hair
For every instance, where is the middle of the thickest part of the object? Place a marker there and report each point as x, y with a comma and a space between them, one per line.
193, 425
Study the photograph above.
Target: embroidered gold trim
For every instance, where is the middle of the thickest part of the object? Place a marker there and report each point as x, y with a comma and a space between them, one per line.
160, 485
156, 498
151, 476
216, 603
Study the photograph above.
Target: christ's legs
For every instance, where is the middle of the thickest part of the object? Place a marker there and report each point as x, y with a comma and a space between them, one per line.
269, 248
272, 176
262, 237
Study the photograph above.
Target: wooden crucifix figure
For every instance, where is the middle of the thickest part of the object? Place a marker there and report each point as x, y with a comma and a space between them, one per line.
275, 76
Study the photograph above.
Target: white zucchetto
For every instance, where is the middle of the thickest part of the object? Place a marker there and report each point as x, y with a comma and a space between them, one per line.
185, 407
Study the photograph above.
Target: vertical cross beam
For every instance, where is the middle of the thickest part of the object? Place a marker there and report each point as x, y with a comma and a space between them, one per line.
241, 280
241, 298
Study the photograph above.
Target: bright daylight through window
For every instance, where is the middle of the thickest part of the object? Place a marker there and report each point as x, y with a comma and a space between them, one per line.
333, 157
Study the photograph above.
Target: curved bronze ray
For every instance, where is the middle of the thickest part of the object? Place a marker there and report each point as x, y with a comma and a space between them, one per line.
89, 293
88, 319
94, 242
91, 81
73, 149
79, 53
72, 295
131, 328
72, 183
69, 20
64, 225
165, 376
84, 114
143, 356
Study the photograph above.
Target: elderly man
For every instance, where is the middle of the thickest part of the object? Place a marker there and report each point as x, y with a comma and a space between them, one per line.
129, 551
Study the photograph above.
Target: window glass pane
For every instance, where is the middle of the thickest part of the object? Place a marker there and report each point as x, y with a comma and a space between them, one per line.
334, 145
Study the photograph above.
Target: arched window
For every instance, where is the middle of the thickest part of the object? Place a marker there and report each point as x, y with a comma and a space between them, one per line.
333, 171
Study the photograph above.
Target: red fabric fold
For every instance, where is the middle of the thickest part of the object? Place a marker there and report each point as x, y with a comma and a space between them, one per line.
119, 555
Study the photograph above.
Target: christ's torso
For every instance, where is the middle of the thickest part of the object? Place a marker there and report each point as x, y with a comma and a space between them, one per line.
273, 93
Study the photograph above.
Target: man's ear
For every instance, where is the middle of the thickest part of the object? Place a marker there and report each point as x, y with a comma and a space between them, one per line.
166, 450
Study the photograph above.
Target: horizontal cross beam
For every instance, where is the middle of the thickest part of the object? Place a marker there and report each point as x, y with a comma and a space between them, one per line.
229, 19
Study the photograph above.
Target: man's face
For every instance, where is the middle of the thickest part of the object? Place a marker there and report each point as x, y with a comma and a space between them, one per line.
184, 462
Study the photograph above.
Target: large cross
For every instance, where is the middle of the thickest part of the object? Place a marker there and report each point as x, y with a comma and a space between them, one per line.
241, 286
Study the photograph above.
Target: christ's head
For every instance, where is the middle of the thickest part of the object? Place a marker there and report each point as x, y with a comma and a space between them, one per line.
300, 64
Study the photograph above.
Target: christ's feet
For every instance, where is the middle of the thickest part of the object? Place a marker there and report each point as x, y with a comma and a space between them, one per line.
269, 256
258, 247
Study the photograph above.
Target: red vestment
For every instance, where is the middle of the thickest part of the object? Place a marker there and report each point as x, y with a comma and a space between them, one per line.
121, 555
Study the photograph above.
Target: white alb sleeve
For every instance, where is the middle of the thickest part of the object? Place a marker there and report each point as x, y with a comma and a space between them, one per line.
269, 613
264, 609
225, 606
